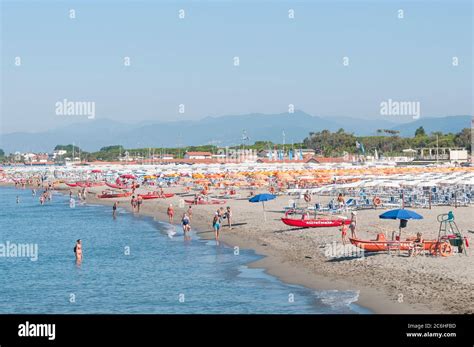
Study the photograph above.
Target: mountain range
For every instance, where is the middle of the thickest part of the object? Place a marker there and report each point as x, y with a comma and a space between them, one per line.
91, 135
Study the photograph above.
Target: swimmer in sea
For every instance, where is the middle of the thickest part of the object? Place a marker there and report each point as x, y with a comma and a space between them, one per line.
78, 251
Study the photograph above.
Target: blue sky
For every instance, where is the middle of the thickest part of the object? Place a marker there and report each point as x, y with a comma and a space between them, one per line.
190, 61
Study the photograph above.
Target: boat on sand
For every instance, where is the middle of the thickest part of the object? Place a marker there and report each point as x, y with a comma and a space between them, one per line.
306, 222
109, 195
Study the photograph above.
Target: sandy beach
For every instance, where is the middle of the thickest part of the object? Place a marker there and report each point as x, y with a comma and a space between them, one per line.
388, 283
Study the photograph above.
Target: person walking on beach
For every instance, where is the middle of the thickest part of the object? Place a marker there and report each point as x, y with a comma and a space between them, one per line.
133, 202
190, 212
170, 213
186, 223
353, 224
114, 209
228, 215
216, 225
139, 203
78, 251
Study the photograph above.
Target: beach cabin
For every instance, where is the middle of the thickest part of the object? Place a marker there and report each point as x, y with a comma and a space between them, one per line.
198, 155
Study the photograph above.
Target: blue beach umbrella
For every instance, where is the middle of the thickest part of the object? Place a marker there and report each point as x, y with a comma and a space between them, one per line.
400, 214
262, 198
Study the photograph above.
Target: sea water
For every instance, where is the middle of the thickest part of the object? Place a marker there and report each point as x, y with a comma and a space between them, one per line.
133, 264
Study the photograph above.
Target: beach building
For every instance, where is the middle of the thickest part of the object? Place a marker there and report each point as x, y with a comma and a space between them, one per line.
198, 155
435, 154
59, 153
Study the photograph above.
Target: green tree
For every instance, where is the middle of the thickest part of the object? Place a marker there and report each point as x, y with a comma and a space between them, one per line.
420, 132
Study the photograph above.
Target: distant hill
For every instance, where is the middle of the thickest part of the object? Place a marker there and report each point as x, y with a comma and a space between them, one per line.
222, 131
451, 124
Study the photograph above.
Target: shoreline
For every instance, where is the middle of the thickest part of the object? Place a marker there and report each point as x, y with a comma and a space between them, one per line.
274, 265
294, 256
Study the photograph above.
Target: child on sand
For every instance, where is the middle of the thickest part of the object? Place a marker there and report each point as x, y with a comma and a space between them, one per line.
344, 234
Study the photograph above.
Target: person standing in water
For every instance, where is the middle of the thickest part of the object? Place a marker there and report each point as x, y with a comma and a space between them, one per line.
216, 225
170, 213
185, 222
78, 251
17, 199
114, 209
139, 203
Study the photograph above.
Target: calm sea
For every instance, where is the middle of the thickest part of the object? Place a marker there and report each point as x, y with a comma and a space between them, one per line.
134, 264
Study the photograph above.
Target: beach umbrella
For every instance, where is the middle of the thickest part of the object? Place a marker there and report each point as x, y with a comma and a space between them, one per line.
128, 176
403, 215
262, 198
400, 214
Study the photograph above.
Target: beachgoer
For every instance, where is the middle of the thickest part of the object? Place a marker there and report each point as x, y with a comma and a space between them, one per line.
344, 234
78, 251
185, 222
17, 199
133, 202
418, 245
190, 212
353, 224
340, 200
307, 196
114, 209
72, 202
228, 215
139, 203
216, 225
170, 213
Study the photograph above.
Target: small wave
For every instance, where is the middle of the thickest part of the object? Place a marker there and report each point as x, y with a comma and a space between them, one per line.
338, 299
